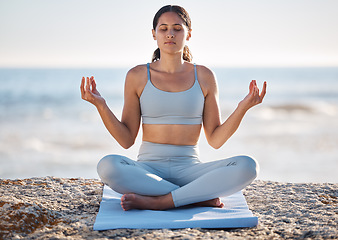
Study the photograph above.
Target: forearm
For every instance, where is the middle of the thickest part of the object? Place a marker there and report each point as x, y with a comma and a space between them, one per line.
116, 128
223, 132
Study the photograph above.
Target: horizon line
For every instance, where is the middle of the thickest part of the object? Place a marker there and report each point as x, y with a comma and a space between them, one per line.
125, 66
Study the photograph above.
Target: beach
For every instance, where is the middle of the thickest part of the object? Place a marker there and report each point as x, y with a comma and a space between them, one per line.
65, 208
51, 140
47, 130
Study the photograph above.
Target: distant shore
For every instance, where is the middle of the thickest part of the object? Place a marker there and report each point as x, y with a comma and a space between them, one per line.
62, 208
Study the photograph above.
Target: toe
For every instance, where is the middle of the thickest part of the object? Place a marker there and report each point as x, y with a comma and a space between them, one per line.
124, 206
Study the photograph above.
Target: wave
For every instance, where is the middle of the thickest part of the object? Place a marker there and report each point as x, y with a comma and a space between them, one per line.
292, 108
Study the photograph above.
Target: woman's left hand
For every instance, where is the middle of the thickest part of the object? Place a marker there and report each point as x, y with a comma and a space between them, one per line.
254, 97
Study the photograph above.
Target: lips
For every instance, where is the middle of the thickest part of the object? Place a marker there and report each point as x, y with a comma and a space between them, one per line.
170, 43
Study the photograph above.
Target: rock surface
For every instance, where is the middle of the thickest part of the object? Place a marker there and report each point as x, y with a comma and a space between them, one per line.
65, 208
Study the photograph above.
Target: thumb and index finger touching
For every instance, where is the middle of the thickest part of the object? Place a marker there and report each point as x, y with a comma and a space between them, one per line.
253, 85
88, 85
254, 97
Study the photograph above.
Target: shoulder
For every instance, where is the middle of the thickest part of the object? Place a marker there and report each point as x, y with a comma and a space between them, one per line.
137, 71
205, 73
136, 78
207, 79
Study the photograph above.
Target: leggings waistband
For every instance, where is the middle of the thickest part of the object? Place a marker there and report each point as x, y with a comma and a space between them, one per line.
156, 151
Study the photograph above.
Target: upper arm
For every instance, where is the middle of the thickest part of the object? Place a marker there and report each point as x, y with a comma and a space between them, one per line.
211, 113
131, 114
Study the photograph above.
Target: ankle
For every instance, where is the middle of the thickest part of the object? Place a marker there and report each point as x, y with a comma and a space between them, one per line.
164, 202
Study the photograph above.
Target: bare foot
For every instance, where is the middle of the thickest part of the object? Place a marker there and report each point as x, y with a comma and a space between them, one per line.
136, 201
216, 202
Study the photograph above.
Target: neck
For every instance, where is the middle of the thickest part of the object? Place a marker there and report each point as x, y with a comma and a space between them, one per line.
171, 63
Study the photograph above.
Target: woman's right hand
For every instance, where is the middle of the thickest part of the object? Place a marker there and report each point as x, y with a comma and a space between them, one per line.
89, 92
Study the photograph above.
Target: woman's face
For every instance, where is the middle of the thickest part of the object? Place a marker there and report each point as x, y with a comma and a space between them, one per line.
171, 34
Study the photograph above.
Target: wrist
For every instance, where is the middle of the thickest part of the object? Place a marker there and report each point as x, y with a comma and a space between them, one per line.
101, 105
242, 107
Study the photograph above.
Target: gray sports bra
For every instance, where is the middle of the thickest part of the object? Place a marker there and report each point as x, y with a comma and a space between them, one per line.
161, 107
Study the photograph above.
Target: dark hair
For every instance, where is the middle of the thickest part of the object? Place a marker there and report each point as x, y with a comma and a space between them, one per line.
183, 14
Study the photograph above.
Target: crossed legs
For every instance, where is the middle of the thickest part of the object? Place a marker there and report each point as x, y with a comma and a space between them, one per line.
200, 183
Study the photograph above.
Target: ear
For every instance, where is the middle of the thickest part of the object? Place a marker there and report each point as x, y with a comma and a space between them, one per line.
154, 34
189, 34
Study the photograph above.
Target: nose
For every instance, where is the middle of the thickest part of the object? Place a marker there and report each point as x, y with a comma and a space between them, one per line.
170, 35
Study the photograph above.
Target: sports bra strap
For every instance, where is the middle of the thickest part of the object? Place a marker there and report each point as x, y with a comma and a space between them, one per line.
148, 71
195, 71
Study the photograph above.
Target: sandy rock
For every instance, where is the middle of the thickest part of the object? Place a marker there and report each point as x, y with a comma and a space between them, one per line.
65, 208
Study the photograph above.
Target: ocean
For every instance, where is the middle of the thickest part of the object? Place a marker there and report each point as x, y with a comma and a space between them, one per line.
46, 129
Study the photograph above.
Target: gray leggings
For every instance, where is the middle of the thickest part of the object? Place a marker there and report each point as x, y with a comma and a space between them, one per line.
163, 168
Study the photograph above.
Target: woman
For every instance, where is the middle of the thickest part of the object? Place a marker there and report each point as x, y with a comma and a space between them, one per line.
173, 98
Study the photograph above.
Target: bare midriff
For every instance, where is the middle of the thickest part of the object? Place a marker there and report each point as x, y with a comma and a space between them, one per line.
176, 134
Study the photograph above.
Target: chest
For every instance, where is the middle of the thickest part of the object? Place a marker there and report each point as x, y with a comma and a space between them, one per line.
177, 82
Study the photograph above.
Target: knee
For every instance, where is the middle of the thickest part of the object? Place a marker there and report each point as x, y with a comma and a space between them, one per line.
250, 166
108, 166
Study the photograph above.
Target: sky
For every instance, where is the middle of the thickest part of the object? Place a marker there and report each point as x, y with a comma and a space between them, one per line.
109, 33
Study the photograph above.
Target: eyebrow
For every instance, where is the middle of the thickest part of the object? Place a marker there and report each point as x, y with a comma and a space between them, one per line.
176, 24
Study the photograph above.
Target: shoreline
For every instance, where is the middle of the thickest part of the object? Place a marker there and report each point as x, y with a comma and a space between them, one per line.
66, 208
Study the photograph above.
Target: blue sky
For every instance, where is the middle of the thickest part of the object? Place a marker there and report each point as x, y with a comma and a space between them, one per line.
241, 33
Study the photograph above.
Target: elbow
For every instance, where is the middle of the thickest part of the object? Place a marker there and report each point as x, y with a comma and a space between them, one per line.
215, 144
127, 144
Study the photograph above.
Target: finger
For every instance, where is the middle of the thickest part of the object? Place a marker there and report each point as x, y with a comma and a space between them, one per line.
91, 83
251, 85
254, 83
82, 86
94, 84
88, 84
256, 91
263, 90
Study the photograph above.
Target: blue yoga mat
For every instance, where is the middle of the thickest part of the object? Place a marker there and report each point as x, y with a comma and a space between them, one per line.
235, 214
